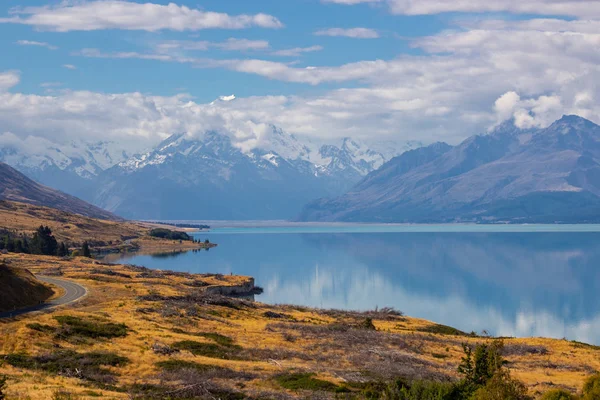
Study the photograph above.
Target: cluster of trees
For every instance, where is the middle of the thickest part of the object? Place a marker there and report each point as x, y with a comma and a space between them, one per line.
169, 234
484, 377
42, 242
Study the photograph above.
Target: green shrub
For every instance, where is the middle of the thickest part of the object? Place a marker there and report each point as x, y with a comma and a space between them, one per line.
591, 388
502, 386
305, 381
367, 324
219, 339
42, 328
558, 394
68, 362
442, 330
75, 326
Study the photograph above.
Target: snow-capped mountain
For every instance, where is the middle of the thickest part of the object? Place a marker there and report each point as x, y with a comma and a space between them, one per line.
205, 176
538, 175
68, 167
211, 177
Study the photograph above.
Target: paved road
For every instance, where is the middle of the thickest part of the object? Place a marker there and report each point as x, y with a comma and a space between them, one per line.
73, 292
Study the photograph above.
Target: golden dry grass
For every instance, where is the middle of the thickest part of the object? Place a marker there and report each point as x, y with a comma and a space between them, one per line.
272, 339
75, 229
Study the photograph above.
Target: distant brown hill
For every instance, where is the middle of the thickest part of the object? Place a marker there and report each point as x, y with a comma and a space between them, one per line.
15, 186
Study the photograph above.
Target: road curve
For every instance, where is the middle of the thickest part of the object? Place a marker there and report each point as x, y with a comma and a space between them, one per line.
73, 292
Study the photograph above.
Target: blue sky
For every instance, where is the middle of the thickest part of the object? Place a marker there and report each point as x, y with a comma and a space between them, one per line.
401, 70
41, 65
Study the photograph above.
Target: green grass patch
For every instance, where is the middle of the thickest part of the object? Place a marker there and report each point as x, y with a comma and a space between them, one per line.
582, 345
75, 326
42, 328
68, 363
439, 355
305, 381
442, 330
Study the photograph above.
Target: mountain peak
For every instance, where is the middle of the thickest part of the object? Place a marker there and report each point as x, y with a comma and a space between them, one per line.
574, 121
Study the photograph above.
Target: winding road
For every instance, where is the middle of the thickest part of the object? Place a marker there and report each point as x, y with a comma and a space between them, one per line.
72, 293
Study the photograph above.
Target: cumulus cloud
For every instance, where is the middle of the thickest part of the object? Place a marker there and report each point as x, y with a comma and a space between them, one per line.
356, 33
8, 79
117, 14
34, 43
461, 82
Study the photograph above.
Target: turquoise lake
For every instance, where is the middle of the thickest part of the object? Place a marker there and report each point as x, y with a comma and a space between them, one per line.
510, 280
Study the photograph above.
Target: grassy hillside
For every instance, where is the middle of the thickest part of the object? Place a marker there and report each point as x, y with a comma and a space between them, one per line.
68, 227
75, 229
146, 334
19, 289
15, 186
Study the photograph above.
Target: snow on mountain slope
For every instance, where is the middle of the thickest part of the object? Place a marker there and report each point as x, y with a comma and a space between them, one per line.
537, 175
39, 154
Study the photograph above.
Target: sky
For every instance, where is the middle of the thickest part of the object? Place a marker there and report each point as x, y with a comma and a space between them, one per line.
135, 72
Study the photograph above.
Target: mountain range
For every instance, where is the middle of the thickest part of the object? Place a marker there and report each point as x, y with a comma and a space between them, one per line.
206, 177
508, 175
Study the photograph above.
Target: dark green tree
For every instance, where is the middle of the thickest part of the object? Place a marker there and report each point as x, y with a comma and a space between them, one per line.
43, 242
18, 246
62, 251
85, 250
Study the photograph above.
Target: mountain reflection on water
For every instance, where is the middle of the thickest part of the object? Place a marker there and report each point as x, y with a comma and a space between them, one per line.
510, 284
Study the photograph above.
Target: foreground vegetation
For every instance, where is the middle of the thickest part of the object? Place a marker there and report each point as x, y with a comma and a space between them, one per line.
146, 334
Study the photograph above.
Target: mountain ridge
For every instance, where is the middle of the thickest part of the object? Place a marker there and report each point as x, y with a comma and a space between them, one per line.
537, 175
15, 186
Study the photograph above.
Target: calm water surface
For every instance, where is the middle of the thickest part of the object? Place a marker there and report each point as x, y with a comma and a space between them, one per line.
509, 280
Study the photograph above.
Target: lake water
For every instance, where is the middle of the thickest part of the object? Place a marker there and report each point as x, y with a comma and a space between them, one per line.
535, 280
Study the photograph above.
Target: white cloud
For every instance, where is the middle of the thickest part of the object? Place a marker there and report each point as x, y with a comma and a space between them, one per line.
38, 44
116, 14
297, 51
461, 83
357, 33
575, 8
8, 80
69, 66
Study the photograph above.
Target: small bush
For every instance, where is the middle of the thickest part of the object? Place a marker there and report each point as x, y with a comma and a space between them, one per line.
367, 324
502, 386
591, 388
558, 394
75, 326
305, 381
442, 330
